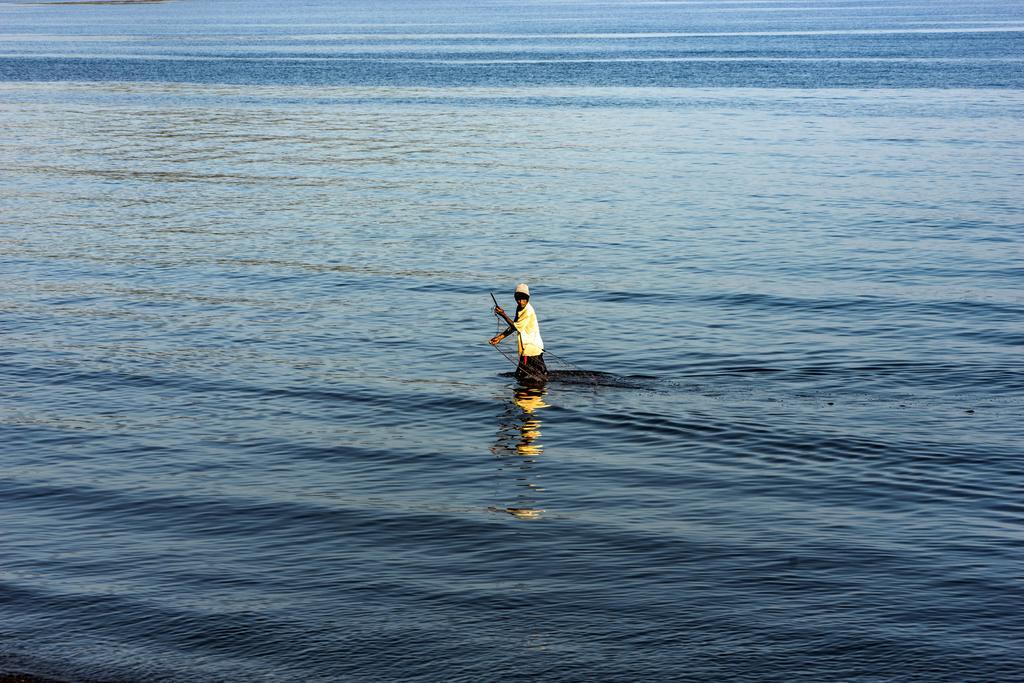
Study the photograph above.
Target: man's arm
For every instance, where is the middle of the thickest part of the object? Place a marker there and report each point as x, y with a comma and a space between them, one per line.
511, 325
504, 334
501, 311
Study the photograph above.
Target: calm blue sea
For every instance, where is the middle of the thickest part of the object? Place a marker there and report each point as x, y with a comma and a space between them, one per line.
251, 429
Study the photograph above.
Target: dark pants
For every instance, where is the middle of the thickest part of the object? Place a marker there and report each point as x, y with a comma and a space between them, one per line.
531, 369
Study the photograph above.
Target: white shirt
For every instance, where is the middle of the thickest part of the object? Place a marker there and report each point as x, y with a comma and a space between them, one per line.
530, 343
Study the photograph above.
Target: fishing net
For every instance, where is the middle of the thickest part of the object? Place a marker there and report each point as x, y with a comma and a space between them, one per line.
557, 368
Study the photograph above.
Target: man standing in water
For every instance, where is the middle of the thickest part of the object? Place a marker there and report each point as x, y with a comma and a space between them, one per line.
531, 366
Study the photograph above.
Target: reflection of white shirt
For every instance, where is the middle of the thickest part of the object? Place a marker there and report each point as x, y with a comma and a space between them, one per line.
530, 343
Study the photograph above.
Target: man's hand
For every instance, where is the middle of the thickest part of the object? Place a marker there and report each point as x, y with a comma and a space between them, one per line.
495, 340
499, 310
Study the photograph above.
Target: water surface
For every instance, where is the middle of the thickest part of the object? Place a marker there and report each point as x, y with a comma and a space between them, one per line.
251, 429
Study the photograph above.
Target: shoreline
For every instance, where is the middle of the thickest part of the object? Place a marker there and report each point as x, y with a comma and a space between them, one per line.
26, 678
98, 2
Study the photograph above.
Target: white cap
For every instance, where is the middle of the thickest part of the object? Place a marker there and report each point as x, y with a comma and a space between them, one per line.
523, 288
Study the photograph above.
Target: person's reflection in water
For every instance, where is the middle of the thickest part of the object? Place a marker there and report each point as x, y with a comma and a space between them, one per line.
517, 448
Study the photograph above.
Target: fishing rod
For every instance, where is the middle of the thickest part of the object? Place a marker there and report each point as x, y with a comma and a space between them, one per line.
495, 312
